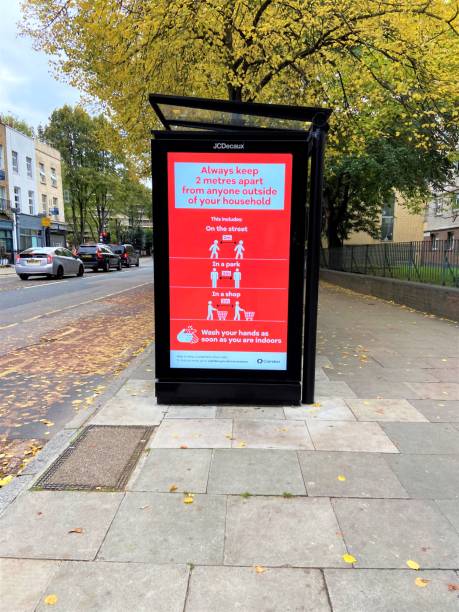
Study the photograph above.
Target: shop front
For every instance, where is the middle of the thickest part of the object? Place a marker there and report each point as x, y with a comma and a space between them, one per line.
6, 242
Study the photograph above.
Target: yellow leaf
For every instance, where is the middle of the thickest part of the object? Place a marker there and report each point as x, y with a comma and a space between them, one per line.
421, 582
76, 530
50, 600
188, 499
6, 480
413, 565
349, 558
316, 405
341, 478
172, 488
260, 569
241, 444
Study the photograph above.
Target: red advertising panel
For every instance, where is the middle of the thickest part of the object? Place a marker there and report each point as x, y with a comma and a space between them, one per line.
229, 245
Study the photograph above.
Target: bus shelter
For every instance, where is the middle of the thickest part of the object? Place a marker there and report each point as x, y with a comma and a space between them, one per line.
237, 191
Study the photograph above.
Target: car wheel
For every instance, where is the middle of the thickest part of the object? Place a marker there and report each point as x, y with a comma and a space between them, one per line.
105, 266
95, 269
80, 271
119, 266
23, 276
60, 273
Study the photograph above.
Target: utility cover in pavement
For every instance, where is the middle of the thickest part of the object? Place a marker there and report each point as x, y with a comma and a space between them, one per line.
101, 458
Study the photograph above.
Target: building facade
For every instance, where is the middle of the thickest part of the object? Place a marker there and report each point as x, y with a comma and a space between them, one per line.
398, 224
6, 217
30, 190
442, 215
49, 192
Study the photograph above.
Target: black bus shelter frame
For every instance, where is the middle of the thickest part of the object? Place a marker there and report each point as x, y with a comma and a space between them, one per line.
191, 118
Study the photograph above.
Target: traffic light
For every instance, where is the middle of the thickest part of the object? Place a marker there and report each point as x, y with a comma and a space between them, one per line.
105, 237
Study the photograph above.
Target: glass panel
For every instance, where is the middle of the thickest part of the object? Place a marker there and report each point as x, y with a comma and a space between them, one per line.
217, 117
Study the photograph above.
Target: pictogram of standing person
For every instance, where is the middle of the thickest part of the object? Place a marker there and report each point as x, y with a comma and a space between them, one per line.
214, 278
214, 248
210, 311
237, 278
239, 248
237, 312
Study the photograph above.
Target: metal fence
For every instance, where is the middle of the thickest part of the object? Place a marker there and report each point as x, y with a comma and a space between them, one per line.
424, 262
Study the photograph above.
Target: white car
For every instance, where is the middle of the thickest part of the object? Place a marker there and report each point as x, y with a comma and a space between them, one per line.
52, 262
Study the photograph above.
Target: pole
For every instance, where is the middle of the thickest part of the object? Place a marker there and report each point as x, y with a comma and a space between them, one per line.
312, 268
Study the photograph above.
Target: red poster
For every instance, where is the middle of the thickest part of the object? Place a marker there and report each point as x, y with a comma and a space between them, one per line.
229, 244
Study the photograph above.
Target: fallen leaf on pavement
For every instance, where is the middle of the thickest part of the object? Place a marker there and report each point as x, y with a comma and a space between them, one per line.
76, 530
413, 565
50, 600
6, 480
341, 478
421, 582
172, 488
241, 444
453, 587
260, 569
46, 422
188, 499
349, 558
144, 507
183, 446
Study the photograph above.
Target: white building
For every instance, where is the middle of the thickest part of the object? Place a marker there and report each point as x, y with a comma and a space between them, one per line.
21, 164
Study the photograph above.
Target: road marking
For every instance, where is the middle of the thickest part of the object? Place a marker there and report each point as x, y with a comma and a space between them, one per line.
10, 325
51, 312
44, 284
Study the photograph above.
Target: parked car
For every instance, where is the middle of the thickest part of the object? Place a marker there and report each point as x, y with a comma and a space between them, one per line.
129, 257
53, 262
99, 257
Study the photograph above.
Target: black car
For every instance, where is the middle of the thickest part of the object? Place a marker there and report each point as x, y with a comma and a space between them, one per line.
99, 257
129, 257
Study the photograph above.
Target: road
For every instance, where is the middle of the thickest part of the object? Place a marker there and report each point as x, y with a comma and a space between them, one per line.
62, 343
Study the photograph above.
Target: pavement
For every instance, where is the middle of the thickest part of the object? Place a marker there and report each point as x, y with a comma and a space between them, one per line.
7, 270
349, 504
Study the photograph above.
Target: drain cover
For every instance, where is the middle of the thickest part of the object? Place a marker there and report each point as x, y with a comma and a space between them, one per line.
101, 458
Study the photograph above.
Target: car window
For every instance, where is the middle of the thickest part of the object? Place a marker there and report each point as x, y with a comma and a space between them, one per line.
59, 252
67, 253
87, 248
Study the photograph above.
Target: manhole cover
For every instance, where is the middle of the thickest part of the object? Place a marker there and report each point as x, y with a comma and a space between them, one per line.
101, 458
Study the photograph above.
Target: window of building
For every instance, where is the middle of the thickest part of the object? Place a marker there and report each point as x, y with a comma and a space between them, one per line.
2, 198
28, 238
450, 241
53, 177
55, 206
14, 155
44, 203
31, 203
2, 161
29, 166
42, 173
17, 198
434, 242
439, 205
387, 219
455, 203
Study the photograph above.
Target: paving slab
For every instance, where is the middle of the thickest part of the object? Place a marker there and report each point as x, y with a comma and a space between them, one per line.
436, 391
391, 591
22, 582
38, 525
323, 362
259, 472
427, 476
438, 411
271, 433
333, 389
191, 412
398, 410
161, 528
324, 409
117, 587
135, 387
339, 474
193, 433
275, 531
319, 374
349, 436
423, 438
382, 389
128, 411
186, 469
241, 589
450, 509
386, 533
445, 374
250, 412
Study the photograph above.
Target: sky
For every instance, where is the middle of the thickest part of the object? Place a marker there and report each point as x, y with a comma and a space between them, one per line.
27, 87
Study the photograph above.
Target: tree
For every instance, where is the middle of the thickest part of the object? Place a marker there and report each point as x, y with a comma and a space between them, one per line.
18, 124
376, 64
